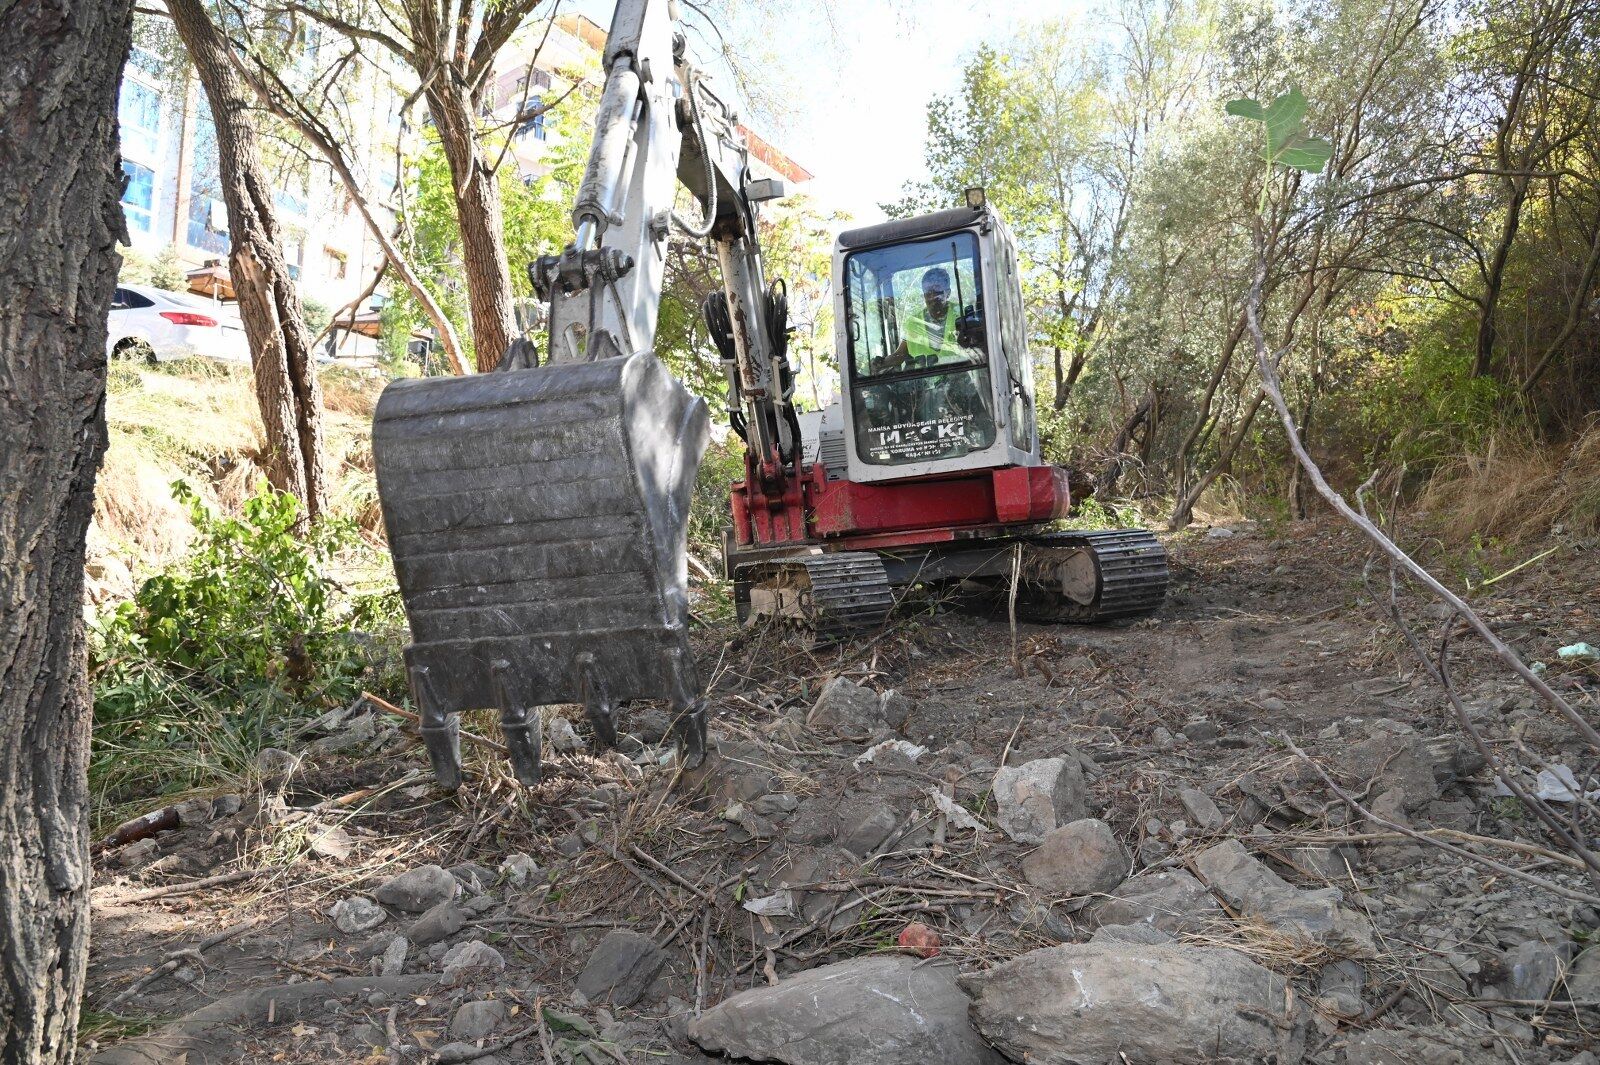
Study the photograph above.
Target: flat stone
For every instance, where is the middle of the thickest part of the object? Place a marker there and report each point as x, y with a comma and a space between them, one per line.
1401, 761
417, 890
1081, 858
357, 914
1040, 795
1532, 969
1109, 1002
1130, 933
1202, 809
882, 1009
1252, 889
863, 837
621, 969
1172, 901
520, 870
441, 922
394, 957
846, 708
466, 959
475, 1020
564, 739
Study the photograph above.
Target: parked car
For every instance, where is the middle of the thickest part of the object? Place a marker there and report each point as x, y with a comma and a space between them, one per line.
156, 325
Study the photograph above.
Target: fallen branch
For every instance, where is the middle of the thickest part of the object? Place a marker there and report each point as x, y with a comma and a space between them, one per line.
1394, 826
389, 708
193, 885
177, 957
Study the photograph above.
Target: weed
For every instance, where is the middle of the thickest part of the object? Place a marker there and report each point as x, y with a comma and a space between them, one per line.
244, 637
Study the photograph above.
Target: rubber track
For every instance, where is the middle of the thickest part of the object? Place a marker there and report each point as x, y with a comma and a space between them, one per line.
849, 591
1133, 576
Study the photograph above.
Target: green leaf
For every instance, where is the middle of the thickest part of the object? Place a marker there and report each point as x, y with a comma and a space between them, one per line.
1285, 119
1310, 154
1247, 108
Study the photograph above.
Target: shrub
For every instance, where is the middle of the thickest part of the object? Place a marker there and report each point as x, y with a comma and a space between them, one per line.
232, 646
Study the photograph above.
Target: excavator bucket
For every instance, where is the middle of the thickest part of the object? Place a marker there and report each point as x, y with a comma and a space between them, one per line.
538, 519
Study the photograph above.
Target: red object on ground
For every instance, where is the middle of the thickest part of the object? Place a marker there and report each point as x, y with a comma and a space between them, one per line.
921, 940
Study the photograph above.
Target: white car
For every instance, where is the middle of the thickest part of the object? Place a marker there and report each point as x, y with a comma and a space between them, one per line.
155, 325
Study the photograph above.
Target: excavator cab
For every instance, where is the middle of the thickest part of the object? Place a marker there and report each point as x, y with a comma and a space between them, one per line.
931, 333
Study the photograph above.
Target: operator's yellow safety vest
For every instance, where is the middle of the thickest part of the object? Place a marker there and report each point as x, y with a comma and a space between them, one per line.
921, 345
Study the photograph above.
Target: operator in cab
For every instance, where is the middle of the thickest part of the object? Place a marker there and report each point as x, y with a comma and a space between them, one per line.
931, 339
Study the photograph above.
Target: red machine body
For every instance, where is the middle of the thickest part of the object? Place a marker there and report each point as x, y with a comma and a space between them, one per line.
810, 509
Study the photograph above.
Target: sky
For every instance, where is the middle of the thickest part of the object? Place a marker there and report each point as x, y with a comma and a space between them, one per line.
858, 76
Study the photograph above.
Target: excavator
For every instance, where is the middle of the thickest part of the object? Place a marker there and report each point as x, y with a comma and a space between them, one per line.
538, 514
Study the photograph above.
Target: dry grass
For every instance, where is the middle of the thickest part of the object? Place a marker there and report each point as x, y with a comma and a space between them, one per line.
197, 421
347, 392
1519, 491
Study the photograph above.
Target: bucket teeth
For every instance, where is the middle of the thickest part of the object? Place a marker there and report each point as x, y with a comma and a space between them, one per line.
602, 712
441, 731
689, 734
518, 725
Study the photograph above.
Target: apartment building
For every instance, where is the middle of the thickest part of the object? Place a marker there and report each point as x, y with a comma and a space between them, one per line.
173, 198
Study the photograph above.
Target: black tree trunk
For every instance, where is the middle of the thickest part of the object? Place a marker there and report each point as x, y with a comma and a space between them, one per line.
59, 225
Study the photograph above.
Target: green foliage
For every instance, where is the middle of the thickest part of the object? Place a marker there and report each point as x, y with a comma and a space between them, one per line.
1285, 142
535, 223
214, 657
162, 270
317, 314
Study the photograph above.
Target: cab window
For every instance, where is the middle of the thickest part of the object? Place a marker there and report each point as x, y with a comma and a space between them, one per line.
920, 388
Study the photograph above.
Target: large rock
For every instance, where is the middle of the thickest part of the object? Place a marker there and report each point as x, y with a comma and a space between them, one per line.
621, 969
1088, 1003
1399, 760
418, 890
1037, 796
1253, 890
1083, 858
355, 914
1171, 901
884, 1009
846, 708
476, 1020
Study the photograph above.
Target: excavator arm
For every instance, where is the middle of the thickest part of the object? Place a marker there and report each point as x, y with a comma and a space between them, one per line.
538, 516
660, 125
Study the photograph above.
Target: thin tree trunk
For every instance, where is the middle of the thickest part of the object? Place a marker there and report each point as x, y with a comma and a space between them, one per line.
278, 98
1494, 281
1184, 511
60, 222
478, 211
287, 389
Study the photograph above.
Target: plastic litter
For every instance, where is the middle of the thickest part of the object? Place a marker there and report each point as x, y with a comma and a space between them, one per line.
778, 904
957, 816
1556, 783
1579, 650
911, 751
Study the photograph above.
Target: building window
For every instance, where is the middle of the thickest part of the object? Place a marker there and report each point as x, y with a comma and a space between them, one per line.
139, 115
337, 264
138, 198
533, 123
208, 217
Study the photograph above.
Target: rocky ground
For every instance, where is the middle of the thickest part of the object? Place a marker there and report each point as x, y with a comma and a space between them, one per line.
948, 842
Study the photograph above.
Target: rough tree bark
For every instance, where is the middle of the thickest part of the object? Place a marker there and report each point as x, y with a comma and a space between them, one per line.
287, 389
59, 225
483, 245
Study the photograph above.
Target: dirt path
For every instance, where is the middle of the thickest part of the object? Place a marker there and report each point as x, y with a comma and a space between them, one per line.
1263, 638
